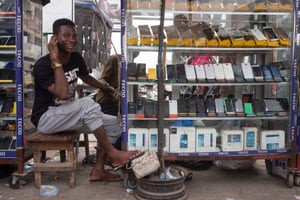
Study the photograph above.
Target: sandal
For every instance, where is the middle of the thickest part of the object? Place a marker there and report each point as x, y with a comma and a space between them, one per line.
134, 154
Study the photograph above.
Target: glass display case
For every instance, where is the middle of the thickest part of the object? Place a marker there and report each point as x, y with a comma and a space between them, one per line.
229, 78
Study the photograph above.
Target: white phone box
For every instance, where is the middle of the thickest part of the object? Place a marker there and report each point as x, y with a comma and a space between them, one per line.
200, 73
182, 139
250, 138
232, 140
206, 139
228, 72
190, 73
272, 139
153, 139
138, 138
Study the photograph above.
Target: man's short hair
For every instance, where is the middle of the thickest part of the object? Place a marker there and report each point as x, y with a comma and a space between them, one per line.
61, 22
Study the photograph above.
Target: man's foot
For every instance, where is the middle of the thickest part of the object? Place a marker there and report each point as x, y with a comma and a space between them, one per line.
127, 157
104, 177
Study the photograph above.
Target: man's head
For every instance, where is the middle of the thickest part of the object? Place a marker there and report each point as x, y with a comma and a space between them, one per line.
65, 32
61, 22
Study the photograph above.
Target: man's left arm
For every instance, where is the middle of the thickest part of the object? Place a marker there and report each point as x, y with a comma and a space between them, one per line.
98, 84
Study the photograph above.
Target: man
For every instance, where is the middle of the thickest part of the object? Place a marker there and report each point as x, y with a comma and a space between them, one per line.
110, 75
55, 108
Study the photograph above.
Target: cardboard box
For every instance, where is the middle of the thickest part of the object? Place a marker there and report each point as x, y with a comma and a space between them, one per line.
182, 139
206, 139
153, 139
138, 139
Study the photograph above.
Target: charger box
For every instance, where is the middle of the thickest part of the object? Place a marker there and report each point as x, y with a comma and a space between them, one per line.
182, 139
272, 139
232, 140
206, 140
250, 138
153, 139
138, 138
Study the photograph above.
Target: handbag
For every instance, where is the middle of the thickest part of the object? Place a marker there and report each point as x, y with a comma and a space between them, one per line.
145, 164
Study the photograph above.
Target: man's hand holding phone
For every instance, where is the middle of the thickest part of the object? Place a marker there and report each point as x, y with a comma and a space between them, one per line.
53, 49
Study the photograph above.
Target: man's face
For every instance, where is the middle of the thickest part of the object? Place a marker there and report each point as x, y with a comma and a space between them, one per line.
67, 39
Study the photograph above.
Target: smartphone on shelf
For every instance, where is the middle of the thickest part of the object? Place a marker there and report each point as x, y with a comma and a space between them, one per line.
247, 71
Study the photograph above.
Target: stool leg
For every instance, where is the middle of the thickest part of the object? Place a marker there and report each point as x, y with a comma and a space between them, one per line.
62, 154
72, 180
37, 175
71, 158
86, 144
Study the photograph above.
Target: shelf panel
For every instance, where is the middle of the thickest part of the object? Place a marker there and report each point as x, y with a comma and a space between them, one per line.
205, 50
8, 153
253, 154
209, 83
214, 118
143, 11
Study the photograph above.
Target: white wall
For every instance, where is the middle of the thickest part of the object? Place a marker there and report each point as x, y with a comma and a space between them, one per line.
57, 9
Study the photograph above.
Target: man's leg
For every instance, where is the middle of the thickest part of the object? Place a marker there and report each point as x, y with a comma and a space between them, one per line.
117, 157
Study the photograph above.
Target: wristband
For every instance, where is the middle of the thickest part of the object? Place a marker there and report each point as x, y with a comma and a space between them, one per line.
56, 65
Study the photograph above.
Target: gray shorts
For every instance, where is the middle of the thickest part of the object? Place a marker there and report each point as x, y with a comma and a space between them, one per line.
82, 115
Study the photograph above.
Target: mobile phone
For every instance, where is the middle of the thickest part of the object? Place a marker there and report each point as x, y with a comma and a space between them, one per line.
190, 73
238, 73
282, 34
200, 105
200, 73
247, 71
267, 73
270, 33
219, 73
258, 34
209, 72
275, 72
238, 106
258, 107
257, 73
229, 109
219, 107
210, 34
228, 71
210, 106
180, 71
171, 73
131, 71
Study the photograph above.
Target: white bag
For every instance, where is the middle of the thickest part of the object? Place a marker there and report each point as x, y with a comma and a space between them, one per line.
145, 164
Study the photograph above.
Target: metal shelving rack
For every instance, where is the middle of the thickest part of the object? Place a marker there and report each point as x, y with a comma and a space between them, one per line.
21, 153
291, 153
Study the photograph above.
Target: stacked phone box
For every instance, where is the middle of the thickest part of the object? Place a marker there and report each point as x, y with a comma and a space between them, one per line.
184, 139
210, 106
211, 72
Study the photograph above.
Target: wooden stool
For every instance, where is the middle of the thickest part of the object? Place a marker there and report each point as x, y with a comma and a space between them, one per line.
67, 142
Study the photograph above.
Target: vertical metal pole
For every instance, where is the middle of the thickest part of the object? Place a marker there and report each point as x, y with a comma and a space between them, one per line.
19, 79
123, 75
160, 82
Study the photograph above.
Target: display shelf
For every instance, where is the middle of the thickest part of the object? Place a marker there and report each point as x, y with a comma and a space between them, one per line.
138, 49
216, 118
21, 21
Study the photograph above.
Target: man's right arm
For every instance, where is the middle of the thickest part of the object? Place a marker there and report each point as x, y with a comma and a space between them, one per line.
60, 88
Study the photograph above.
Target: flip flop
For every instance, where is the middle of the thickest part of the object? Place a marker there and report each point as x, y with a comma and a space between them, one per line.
108, 177
135, 154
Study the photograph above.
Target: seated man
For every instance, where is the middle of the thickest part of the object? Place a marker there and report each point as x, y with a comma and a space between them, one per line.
55, 108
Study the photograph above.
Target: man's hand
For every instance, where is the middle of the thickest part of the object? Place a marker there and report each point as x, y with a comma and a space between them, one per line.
53, 49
